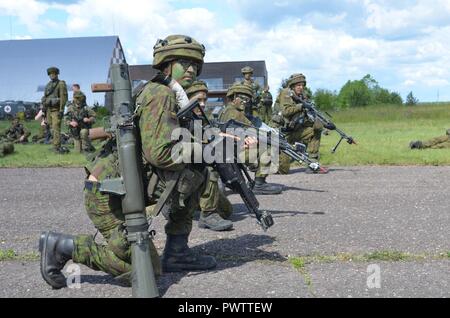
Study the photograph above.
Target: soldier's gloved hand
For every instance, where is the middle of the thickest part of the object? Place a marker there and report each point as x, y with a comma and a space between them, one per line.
330, 126
60, 115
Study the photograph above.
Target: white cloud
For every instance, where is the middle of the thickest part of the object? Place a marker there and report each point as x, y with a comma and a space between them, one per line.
28, 12
329, 56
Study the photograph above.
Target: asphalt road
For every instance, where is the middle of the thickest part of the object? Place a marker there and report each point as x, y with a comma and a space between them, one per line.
352, 211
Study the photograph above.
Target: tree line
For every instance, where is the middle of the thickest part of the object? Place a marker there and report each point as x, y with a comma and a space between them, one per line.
359, 93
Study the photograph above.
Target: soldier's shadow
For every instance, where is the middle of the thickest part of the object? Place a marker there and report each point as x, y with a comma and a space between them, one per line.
229, 253
240, 213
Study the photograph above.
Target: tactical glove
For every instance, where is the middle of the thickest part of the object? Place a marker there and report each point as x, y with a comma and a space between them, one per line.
330, 126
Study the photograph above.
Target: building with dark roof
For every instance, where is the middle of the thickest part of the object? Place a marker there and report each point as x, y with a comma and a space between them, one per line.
84, 60
218, 75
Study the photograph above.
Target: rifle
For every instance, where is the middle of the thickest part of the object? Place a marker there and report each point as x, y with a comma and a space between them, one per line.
314, 113
297, 152
130, 185
235, 176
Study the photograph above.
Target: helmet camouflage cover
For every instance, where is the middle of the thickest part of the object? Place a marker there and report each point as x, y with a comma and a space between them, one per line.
296, 79
79, 96
197, 86
239, 88
178, 47
52, 70
247, 70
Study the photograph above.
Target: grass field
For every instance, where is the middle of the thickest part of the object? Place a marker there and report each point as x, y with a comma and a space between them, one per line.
383, 134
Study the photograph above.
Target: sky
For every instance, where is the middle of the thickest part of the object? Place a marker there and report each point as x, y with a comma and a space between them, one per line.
403, 44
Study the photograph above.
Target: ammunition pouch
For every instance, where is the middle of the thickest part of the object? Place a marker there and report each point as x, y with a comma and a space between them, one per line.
189, 182
279, 120
52, 102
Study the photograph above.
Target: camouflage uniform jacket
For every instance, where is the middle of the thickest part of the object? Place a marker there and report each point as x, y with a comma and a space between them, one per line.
157, 120
78, 114
232, 112
16, 131
56, 95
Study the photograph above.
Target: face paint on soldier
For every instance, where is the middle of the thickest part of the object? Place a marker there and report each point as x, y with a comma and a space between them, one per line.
202, 99
299, 88
53, 76
248, 76
184, 72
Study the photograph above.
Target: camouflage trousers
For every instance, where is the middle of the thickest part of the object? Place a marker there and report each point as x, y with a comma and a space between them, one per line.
82, 142
259, 160
437, 143
310, 136
54, 122
213, 199
105, 212
113, 257
6, 148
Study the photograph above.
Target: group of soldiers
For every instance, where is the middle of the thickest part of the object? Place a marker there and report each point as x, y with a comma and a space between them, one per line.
78, 118
184, 188
189, 187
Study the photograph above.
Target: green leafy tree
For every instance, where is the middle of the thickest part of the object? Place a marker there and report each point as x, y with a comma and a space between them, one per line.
354, 94
325, 99
411, 100
396, 99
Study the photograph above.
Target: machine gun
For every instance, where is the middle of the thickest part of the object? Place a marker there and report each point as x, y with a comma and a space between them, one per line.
130, 185
235, 176
313, 113
297, 152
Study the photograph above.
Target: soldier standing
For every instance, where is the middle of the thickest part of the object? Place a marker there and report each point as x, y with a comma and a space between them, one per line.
247, 72
240, 97
179, 58
215, 208
54, 100
79, 119
294, 122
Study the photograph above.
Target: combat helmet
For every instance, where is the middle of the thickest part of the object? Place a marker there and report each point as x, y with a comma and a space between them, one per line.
247, 70
197, 86
178, 47
53, 69
295, 79
238, 88
79, 96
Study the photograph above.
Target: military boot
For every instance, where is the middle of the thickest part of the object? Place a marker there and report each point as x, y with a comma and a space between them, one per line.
416, 144
214, 222
264, 188
178, 257
56, 249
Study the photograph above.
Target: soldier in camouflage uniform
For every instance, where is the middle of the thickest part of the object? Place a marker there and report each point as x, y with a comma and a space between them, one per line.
440, 142
257, 108
265, 107
181, 59
79, 119
215, 208
294, 122
6, 148
54, 100
240, 95
17, 133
